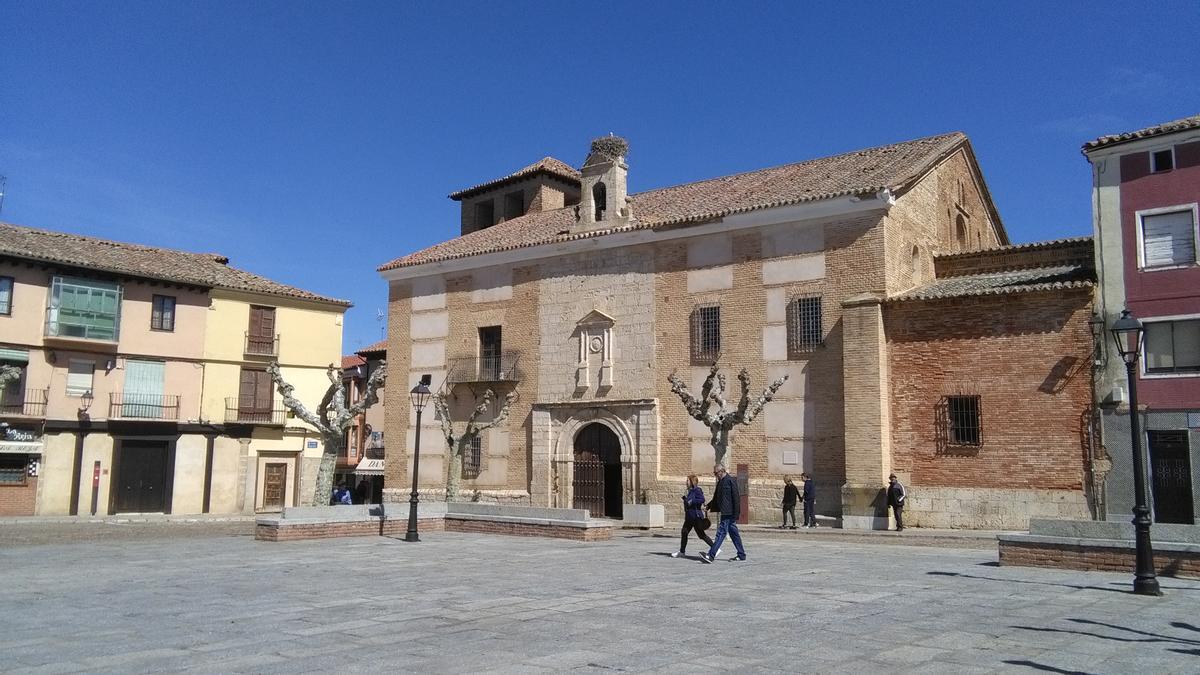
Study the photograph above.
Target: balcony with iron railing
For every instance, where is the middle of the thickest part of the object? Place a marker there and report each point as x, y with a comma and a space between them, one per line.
261, 345
132, 406
246, 412
504, 367
26, 403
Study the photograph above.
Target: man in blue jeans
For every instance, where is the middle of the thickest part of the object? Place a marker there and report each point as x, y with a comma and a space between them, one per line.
726, 501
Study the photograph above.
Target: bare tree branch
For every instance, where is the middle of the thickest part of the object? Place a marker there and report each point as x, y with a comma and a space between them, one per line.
370, 391
762, 401
481, 408
8, 374
459, 444
292, 403
690, 403
502, 415
442, 410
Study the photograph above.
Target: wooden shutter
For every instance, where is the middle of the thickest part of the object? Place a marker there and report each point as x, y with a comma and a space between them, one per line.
268, 322
246, 390
262, 391
1168, 239
256, 316
79, 377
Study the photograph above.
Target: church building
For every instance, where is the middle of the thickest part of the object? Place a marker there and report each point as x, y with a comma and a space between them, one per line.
916, 339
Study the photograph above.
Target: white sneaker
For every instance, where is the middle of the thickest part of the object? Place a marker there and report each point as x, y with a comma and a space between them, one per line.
718, 554
676, 554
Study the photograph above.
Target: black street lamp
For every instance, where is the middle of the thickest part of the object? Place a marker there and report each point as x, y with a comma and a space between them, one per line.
1127, 332
419, 396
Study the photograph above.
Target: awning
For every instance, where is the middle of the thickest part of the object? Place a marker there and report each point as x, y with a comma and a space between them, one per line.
21, 447
370, 467
14, 355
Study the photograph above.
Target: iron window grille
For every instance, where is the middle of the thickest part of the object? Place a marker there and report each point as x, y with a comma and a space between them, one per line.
706, 333
472, 459
14, 469
804, 331
963, 425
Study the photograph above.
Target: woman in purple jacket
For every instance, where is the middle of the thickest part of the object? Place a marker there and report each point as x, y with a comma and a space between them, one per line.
693, 516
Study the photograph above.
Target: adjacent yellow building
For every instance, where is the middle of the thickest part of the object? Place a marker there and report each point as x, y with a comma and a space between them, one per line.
143, 385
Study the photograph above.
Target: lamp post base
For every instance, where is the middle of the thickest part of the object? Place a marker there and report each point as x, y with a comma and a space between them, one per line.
1146, 586
411, 535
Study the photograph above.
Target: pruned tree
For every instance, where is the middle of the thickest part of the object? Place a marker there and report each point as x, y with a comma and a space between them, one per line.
8, 374
457, 445
331, 418
713, 410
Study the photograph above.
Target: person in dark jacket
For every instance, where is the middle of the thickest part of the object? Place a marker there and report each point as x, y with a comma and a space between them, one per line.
810, 501
791, 494
728, 503
693, 515
896, 494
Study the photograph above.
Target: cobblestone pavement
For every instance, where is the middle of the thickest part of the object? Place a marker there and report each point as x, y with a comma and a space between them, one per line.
472, 603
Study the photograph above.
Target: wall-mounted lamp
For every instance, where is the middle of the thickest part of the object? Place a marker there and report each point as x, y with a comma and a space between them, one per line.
109, 365
85, 401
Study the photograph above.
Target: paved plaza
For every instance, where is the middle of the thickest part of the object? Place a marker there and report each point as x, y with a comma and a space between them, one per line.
217, 601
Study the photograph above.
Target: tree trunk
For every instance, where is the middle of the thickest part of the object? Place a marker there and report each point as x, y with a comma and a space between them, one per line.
454, 472
323, 491
720, 444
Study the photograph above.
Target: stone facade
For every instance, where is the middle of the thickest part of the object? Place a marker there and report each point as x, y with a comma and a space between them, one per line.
600, 323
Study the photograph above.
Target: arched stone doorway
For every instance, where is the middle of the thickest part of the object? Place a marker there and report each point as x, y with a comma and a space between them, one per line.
596, 483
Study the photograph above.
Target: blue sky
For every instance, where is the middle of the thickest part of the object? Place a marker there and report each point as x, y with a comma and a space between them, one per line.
311, 142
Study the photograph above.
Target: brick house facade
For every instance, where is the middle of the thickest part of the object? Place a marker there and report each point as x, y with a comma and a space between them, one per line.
802, 270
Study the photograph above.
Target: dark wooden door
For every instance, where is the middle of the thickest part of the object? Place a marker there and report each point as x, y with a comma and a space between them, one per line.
254, 396
141, 477
596, 482
260, 337
1171, 476
274, 486
490, 348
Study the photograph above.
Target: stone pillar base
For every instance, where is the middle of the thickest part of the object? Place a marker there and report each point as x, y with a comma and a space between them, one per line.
864, 507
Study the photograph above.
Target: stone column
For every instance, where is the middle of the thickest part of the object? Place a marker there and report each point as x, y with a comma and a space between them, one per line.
248, 471
868, 426
541, 492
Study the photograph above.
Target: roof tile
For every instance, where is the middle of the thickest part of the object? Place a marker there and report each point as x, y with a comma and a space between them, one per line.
1183, 124
207, 270
864, 171
549, 165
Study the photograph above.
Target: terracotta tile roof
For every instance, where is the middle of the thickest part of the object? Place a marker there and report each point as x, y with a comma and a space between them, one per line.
1184, 124
208, 270
352, 360
375, 348
1000, 283
548, 165
865, 171
1021, 268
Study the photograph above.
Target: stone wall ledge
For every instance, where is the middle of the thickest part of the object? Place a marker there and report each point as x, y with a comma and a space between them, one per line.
1085, 543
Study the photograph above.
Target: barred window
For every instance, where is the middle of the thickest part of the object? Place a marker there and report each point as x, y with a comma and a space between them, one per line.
706, 333
963, 426
804, 333
472, 458
13, 469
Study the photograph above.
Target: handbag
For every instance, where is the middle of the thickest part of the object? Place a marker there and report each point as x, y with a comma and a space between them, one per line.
704, 523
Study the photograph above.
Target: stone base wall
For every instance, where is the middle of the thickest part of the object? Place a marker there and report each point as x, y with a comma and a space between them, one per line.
1096, 558
989, 508
329, 530
529, 530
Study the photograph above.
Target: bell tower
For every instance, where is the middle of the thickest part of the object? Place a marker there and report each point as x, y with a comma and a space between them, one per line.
603, 202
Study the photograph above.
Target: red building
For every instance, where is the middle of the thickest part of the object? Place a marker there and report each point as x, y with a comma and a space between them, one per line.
1146, 188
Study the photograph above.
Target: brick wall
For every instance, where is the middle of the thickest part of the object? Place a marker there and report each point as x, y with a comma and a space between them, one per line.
1028, 357
1096, 558
19, 500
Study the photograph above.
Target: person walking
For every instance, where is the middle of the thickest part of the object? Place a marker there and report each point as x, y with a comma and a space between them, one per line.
896, 495
810, 501
791, 494
693, 516
728, 503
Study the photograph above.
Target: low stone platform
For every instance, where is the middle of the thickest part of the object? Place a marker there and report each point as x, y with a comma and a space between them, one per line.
391, 519
1100, 545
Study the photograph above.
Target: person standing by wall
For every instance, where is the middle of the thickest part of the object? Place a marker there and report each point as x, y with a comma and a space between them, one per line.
727, 502
810, 501
791, 494
693, 516
896, 495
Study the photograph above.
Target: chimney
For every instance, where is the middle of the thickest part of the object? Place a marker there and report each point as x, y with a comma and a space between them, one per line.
602, 200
